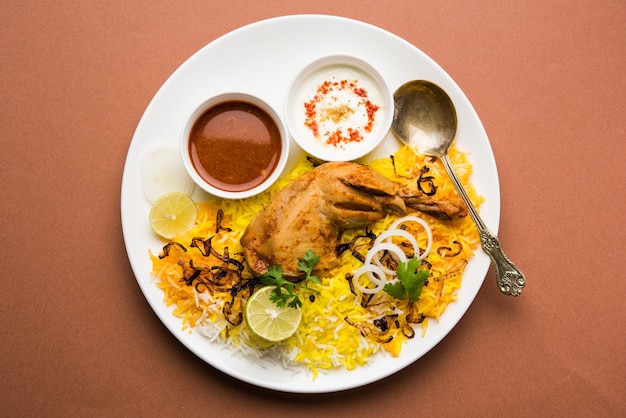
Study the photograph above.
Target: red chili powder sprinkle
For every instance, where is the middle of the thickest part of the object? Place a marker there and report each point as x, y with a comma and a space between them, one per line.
325, 87
361, 92
337, 137
371, 111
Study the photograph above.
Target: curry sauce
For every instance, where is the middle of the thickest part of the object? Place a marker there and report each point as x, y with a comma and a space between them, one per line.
235, 146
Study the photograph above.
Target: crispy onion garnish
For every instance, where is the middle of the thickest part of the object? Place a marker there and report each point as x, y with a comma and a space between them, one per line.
206, 249
214, 273
411, 318
169, 246
218, 222
365, 297
428, 181
371, 331
383, 328
315, 162
395, 169
357, 244
445, 251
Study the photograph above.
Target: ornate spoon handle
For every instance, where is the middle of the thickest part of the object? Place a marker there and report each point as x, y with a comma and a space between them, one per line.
510, 279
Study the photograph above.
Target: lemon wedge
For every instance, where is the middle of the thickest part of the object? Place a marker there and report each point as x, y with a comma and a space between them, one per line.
267, 321
173, 214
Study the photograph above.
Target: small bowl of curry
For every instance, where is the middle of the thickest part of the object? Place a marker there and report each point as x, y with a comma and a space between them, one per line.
234, 145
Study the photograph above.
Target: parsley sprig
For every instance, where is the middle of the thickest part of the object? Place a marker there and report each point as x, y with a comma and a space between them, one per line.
287, 292
410, 281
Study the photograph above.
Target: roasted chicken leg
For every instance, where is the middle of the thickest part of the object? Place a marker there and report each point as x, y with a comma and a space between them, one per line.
313, 210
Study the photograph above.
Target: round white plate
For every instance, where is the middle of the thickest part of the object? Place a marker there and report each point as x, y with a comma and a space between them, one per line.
262, 58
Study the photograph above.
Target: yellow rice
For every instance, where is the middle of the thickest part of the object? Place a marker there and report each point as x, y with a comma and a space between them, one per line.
325, 340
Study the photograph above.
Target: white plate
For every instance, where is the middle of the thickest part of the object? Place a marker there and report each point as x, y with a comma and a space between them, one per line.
262, 58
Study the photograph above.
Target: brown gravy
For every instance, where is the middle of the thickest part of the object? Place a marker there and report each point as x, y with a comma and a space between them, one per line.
235, 146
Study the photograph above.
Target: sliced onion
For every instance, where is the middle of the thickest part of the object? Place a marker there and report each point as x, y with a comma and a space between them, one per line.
392, 248
371, 270
387, 235
162, 171
426, 227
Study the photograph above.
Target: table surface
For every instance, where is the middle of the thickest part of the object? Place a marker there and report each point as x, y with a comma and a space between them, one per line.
546, 78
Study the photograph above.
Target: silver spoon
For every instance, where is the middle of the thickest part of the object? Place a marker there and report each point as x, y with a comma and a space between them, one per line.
424, 116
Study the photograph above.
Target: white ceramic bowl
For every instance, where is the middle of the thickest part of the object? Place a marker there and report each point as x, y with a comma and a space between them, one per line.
231, 157
339, 108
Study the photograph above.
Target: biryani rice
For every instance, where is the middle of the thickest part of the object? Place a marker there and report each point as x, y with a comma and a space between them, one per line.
325, 339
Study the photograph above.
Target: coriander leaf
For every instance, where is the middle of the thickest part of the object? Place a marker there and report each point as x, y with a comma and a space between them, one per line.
415, 291
404, 270
280, 298
395, 289
410, 280
307, 263
273, 275
287, 292
295, 302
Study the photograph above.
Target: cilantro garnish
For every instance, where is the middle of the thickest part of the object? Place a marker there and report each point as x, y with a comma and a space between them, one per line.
410, 281
286, 292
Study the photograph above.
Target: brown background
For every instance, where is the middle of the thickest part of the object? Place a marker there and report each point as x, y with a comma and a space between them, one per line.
78, 337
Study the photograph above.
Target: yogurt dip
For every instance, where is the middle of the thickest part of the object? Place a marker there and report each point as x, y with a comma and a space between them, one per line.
339, 109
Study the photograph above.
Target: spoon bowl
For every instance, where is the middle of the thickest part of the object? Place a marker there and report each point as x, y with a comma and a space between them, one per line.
424, 117
425, 120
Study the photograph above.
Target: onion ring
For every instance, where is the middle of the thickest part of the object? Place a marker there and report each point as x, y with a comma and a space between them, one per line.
426, 227
386, 236
393, 248
373, 268
370, 270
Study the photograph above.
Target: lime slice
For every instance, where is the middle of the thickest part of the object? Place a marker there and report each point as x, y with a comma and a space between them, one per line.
267, 321
173, 214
